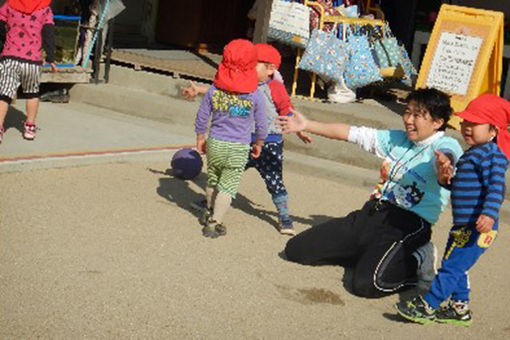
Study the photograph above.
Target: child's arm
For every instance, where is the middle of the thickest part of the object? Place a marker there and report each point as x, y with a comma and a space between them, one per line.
256, 148
259, 114
193, 90
201, 143
202, 121
493, 173
3, 21
48, 40
283, 105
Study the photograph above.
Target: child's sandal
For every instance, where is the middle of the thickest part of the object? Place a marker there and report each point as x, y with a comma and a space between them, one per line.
209, 231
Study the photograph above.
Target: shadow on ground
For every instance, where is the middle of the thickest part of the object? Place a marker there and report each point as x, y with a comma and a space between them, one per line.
14, 119
179, 191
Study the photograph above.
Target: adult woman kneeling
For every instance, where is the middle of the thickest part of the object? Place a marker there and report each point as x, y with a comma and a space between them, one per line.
388, 239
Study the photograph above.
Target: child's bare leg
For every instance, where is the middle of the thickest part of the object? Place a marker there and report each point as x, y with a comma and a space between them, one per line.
4, 106
210, 195
221, 205
32, 106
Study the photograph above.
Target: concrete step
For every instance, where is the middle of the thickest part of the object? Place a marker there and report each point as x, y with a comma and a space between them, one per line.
157, 97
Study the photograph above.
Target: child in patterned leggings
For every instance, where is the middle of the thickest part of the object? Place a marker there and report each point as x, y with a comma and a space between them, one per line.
235, 105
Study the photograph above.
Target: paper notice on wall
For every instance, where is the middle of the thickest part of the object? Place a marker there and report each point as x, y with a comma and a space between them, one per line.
453, 63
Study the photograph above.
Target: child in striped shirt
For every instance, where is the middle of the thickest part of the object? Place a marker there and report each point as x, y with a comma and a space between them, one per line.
477, 192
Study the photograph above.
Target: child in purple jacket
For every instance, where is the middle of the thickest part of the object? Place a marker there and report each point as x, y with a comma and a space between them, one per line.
233, 104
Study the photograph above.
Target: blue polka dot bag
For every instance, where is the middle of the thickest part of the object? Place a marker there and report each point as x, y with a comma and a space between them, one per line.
361, 68
324, 55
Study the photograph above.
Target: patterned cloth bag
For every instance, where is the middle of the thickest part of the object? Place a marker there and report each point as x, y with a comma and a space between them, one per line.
361, 68
324, 55
409, 70
289, 23
387, 49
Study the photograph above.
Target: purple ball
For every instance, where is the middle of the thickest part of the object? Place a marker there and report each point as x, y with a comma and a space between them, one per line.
186, 164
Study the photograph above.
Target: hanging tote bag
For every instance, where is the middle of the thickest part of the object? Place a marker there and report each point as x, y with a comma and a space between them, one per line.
360, 69
387, 49
324, 55
409, 70
289, 23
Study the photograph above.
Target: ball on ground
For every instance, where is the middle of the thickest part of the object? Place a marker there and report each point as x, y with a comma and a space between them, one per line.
186, 164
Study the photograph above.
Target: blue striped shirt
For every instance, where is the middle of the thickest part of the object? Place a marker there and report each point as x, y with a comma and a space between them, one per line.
478, 186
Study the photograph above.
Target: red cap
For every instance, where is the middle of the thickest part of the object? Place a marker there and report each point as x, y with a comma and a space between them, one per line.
491, 109
28, 6
268, 54
237, 72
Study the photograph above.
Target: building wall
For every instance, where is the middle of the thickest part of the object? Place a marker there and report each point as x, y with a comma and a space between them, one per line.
496, 5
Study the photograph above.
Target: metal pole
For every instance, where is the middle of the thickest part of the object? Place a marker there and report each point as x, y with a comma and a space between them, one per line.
108, 51
97, 55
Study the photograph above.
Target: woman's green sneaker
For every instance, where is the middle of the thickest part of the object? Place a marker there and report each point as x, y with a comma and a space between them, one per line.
416, 310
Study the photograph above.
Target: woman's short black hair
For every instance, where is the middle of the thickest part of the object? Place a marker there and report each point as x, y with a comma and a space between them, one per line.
436, 102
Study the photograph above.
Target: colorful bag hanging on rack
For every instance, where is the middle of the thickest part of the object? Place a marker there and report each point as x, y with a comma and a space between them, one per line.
387, 49
409, 70
360, 69
289, 23
324, 55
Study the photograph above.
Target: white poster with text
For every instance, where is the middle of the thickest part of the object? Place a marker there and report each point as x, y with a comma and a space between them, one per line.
453, 62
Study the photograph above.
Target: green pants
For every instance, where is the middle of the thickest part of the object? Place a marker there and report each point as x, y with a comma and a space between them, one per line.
225, 164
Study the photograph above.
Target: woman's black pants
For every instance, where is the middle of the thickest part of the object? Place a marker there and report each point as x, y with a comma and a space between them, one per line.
379, 239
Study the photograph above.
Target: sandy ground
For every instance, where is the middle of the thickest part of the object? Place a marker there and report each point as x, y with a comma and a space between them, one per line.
113, 251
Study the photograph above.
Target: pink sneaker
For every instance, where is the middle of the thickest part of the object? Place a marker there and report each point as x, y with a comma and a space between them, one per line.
30, 130
1, 133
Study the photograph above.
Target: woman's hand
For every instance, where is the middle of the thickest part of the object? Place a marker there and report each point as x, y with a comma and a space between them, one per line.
304, 137
444, 168
292, 123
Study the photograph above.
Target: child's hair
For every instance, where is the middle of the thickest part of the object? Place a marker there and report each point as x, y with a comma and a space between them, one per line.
436, 102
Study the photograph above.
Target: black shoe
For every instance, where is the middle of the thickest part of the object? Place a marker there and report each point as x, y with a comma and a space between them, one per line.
57, 96
416, 310
456, 312
62, 97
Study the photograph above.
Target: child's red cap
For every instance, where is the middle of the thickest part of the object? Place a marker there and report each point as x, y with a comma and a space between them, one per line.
28, 6
237, 72
491, 109
268, 54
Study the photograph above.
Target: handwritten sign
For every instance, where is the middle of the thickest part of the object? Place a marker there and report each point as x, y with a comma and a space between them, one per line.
464, 56
453, 62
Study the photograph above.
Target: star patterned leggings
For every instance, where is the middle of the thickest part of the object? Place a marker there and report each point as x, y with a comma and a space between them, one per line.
269, 166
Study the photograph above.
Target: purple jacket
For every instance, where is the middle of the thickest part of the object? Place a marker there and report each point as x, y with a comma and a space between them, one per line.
233, 115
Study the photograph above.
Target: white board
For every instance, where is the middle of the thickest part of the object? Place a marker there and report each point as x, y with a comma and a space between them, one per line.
453, 63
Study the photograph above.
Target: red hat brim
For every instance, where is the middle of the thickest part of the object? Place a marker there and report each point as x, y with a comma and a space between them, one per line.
471, 116
240, 81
